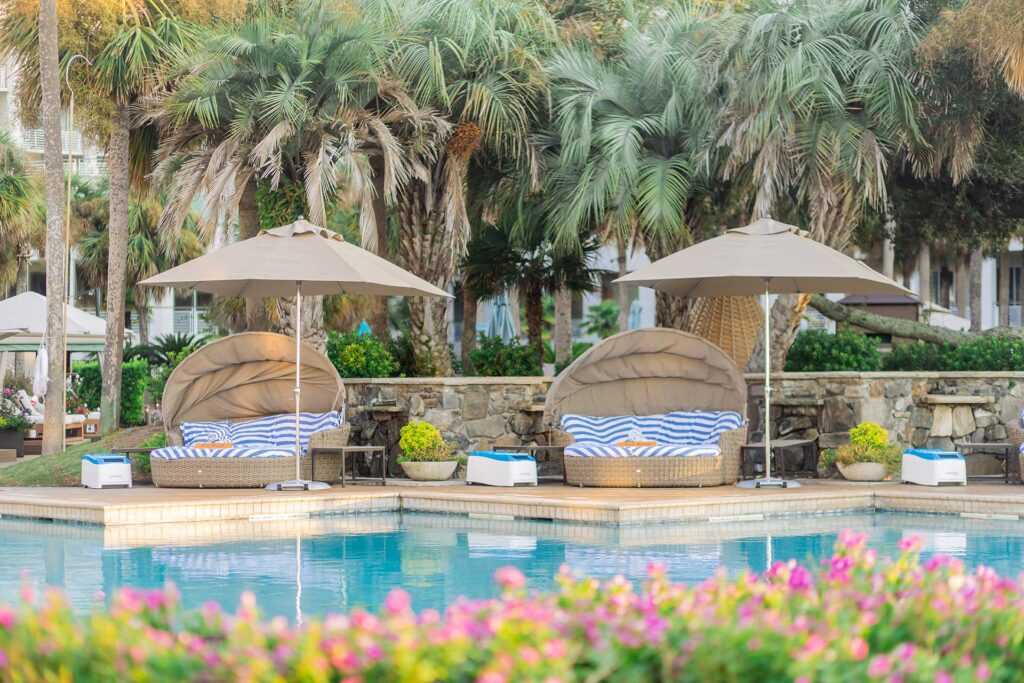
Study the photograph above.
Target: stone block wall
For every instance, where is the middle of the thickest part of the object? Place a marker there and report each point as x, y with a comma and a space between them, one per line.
471, 412
925, 409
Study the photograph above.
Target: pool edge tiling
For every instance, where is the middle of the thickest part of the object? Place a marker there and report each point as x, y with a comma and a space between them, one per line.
145, 505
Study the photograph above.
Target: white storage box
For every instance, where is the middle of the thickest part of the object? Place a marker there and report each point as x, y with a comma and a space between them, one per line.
501, 469
933, 468
106, 471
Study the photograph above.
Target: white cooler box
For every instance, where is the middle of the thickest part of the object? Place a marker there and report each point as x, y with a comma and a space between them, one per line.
933, 468
501, 469
106, 471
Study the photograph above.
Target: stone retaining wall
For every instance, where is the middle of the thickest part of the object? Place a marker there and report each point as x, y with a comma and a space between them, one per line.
918, 408
935, 410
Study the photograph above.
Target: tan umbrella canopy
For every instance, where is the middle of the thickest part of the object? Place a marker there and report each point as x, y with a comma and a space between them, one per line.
271, 264
765, 257
298, 259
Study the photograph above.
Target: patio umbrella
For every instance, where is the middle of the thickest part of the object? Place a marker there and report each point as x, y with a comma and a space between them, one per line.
501, 324
765, 257
298, 259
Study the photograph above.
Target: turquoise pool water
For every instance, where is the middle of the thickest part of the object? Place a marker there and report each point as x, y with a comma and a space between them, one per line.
355, 560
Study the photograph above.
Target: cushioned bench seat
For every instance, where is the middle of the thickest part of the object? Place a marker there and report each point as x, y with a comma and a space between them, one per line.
600, 450
184, 452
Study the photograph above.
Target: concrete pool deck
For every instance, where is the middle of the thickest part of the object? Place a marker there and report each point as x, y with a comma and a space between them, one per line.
153, 506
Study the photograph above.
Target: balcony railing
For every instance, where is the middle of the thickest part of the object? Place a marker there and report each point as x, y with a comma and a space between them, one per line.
33, 140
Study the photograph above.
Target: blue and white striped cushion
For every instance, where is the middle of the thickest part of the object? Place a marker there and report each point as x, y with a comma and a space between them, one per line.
183, 453
687, 427
309, 424
205, 432
598, 429
279, 430
600, 450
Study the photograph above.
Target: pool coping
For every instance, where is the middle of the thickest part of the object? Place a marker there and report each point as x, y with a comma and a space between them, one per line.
594, 506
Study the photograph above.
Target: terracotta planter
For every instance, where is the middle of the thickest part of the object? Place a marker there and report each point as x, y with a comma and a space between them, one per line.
430, 471
11, 439
863, 471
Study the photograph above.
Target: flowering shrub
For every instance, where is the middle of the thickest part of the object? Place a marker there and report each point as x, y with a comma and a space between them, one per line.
853, 619
11, 416
869, 434
422, 442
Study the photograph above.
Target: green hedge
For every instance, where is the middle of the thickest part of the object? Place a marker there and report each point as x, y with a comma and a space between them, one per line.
134, 380
851, 618
494, 358
356, 355
820, 351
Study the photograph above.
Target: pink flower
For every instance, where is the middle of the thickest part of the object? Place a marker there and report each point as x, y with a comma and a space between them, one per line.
911, 544
983, 672
800, 579
879, 666
510, 578
858, 649
397, 602
943, 677
554, 649
6, 617
814, 644
491, 677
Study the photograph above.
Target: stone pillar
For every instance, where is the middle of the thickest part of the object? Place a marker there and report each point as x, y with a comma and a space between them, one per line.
924, 273
975, 307
1004, 289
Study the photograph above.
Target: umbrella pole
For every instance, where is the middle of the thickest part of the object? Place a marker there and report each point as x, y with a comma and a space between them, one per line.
767, 388
298, 375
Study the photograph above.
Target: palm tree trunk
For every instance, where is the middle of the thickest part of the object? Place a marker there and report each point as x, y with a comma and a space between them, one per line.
469, 306
786, 313
249, 226
963, 286
621, 291
117, 266
1004, 288
21, 285
379, 321
143, 314
563, 327
975, 270
53, 173
535, 322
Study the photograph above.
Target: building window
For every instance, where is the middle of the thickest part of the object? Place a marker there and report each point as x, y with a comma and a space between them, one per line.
1015, 272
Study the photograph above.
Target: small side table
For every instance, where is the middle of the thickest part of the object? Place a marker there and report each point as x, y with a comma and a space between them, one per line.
1001, 450
534, 450
751, 453
371, 451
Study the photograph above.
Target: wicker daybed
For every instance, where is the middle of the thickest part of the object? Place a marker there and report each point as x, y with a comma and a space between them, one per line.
239, 381
649, 377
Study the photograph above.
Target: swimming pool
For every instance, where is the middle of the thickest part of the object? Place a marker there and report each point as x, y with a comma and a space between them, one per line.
355, 560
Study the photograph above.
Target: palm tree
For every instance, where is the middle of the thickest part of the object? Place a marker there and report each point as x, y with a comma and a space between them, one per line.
633, 139
21, 221
822, 101
53, 167
147, 253
286, 115
479, 64
517, 252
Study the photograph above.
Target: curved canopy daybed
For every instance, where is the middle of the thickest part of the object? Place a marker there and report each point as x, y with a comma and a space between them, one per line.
651, 407
228, 410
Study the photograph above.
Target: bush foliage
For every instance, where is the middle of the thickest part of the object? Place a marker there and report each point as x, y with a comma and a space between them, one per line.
856, 618
357, 355
422, 442
821, 351
494, 358
134, 381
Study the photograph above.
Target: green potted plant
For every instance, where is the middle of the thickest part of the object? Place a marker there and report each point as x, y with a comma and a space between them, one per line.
425, 454
868, 457
13, 424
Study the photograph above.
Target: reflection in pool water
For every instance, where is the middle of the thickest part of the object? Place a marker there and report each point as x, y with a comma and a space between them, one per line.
354, 561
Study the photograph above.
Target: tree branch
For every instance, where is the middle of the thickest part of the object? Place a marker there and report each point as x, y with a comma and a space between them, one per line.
885, 325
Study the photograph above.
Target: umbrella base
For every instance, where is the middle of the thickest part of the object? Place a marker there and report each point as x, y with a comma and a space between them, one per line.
297, 485
768, 483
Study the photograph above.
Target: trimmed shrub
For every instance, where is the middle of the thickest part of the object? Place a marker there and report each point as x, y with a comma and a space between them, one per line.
821, 351
134, 380
854, 618
422, 442
357, 355
494, 358
983, 353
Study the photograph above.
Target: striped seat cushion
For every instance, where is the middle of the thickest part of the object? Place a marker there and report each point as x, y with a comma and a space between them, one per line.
279, 430
196, 432
183, 453
678, 428
600, 450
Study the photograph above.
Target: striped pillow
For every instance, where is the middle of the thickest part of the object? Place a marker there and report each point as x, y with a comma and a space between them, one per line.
688, 427
598, 429
309, 424
194, 432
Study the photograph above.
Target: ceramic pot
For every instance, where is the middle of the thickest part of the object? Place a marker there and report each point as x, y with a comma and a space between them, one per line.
11, 439
430, 471
863, 471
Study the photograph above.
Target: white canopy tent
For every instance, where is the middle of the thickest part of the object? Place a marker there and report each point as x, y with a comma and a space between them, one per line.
27, 311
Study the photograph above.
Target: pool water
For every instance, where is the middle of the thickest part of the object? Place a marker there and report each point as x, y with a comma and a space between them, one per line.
355, 560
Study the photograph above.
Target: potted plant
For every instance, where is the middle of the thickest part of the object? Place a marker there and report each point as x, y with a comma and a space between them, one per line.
425, 455
13, 424
868, 457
